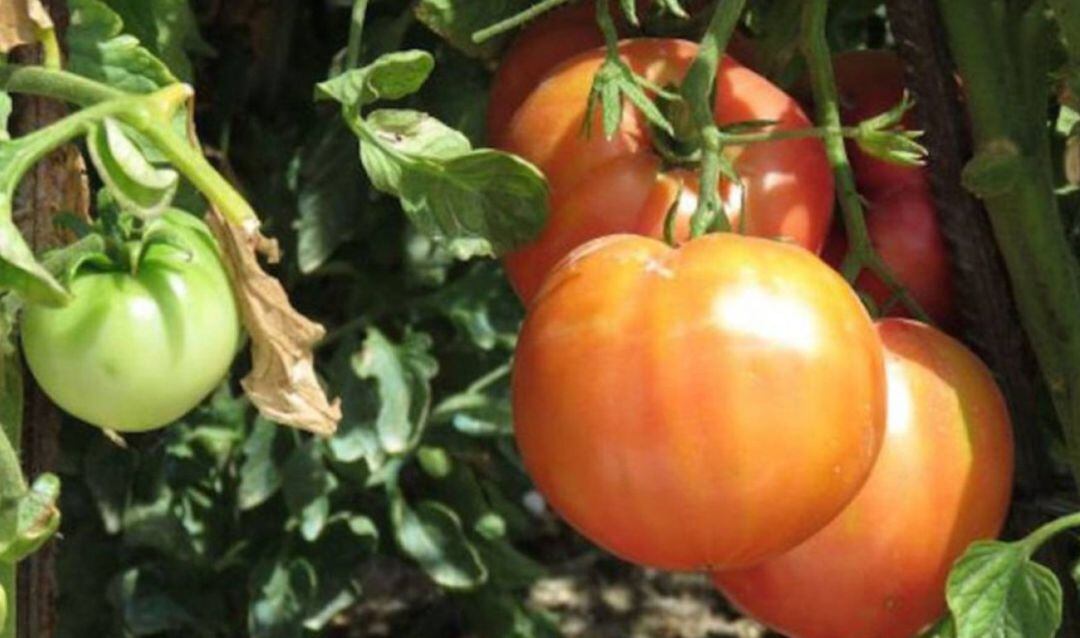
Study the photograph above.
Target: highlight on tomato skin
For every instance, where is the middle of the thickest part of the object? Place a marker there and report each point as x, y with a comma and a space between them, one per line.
942, 481
786, 187
663, 396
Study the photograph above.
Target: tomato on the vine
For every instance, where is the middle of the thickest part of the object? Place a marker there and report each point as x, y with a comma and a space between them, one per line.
545, 43
904, 231
706, 406
141, 343
943, 480
601, 186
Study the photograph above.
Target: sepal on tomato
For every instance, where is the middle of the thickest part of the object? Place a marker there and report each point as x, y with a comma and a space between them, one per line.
884, 137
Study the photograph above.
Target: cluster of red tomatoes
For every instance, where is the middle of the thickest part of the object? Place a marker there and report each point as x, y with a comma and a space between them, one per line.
729, 404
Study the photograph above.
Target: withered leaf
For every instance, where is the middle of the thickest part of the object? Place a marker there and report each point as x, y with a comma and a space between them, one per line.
282, 383
20, 21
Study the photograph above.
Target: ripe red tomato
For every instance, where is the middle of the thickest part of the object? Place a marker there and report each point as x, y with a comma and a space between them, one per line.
706, 406
943, 480
904, 230
869, 83
602, 186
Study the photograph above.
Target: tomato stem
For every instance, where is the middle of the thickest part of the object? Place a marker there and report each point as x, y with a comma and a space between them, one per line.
1040, 536
515, 21
356, 31
150, 114
861, 254
699, 92
56, 84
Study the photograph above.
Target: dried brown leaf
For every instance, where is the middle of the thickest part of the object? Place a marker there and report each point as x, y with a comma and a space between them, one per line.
282, 383
20, 21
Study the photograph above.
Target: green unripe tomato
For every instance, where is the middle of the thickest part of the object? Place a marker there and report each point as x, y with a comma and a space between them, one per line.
135, 351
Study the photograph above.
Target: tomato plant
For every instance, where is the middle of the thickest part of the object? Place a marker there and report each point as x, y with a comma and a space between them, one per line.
601, 186
705, 402
943, 480
650, 386
152, 333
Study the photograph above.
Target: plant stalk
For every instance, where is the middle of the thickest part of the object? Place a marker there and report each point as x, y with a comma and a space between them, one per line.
1012, 174
515, 21
699, 93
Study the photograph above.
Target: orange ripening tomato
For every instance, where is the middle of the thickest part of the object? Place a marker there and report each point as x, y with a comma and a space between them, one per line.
903, 229
942, 481
602, 186
869, 83
550, 40
707, 406
556, 36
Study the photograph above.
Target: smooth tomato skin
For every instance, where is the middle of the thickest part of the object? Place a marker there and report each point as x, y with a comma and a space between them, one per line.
788, 184
135, 352
556, 36
904, 230
942, 481
701, 407
869, 83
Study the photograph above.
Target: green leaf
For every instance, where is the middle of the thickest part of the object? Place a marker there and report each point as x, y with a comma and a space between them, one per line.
945, 628
99, 50
38, 519
306, 484
456, 21
19, 268
390, 77
403, 373
473, 202
356, 438
672, 7
136, 184
431, 534
331, 193
259, 475
5, 113
280, 594
166, 27
996, 591
409, 134
435, 461
476, 414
